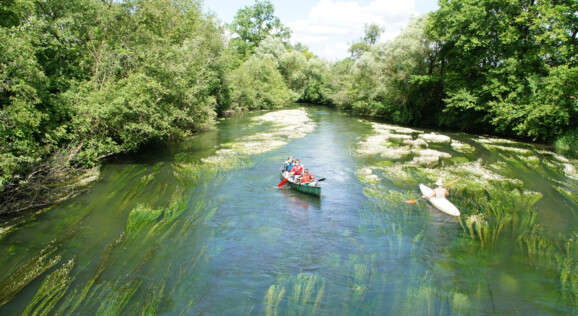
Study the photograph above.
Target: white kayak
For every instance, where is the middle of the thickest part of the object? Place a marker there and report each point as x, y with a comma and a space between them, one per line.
442, 204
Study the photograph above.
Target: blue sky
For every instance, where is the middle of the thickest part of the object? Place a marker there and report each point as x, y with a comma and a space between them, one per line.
328, 26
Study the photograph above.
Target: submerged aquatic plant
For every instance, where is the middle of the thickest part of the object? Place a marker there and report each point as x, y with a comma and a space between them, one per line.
537, 245
358, 288
478, 226
462, 147
366, 175
428, 157
75, 299
140, 216
304, 294
272, 299
154, 298
151, 176
51, 291
28, 272
118, 297
435, 138
568, 270
307, 292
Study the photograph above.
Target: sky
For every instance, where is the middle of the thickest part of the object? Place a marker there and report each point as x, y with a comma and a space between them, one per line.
328, 27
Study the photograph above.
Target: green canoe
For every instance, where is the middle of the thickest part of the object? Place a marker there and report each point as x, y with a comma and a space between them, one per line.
308, 189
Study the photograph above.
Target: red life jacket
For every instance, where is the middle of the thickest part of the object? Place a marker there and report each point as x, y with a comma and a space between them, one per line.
305, 178
297, 170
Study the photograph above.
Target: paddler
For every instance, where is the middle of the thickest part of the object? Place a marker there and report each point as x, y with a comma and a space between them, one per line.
440, 192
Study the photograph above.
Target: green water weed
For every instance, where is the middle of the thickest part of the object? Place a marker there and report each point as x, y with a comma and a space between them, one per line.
118, 297
75, 299
28, 272
141, 216
273, 299
154, 296
51, 291
304, 294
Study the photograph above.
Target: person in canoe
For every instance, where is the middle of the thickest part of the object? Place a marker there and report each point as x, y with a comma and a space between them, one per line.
440, 192
307, 178
296, 170
288, 166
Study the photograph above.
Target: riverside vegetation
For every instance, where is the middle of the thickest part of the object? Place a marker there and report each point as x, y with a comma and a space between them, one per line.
81, 80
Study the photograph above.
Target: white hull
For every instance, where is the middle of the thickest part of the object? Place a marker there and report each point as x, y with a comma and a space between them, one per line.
443, 205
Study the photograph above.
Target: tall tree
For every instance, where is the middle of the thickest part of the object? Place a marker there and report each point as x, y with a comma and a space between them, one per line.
372, 33
257, 84
253, 24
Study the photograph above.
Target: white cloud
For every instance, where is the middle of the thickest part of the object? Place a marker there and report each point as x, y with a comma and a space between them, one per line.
332, 25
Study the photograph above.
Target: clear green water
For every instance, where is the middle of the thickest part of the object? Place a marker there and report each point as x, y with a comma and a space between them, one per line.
200, 227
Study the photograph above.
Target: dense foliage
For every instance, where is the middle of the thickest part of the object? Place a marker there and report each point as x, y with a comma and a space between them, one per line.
85, 79
81, 80
500, 67
508, 65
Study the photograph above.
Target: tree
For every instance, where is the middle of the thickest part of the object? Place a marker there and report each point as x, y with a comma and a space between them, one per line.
253, 24
303, 49
386, 79
496, 60
316, 88
372, 33
257, 84
292, 67
84, 79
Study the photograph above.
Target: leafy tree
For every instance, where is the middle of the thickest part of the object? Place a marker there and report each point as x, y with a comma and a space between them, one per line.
372, 33
340, 84
22, 85
382, 80
497, 59
84, 79
257, 84
253, 24
303, 49
292, 67
316, 88
272, 47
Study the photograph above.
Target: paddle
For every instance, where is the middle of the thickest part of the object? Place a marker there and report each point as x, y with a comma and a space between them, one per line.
412, 201
282, 182
285, 180
415, 201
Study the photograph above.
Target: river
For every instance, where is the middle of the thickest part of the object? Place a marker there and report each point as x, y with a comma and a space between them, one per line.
200, 227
